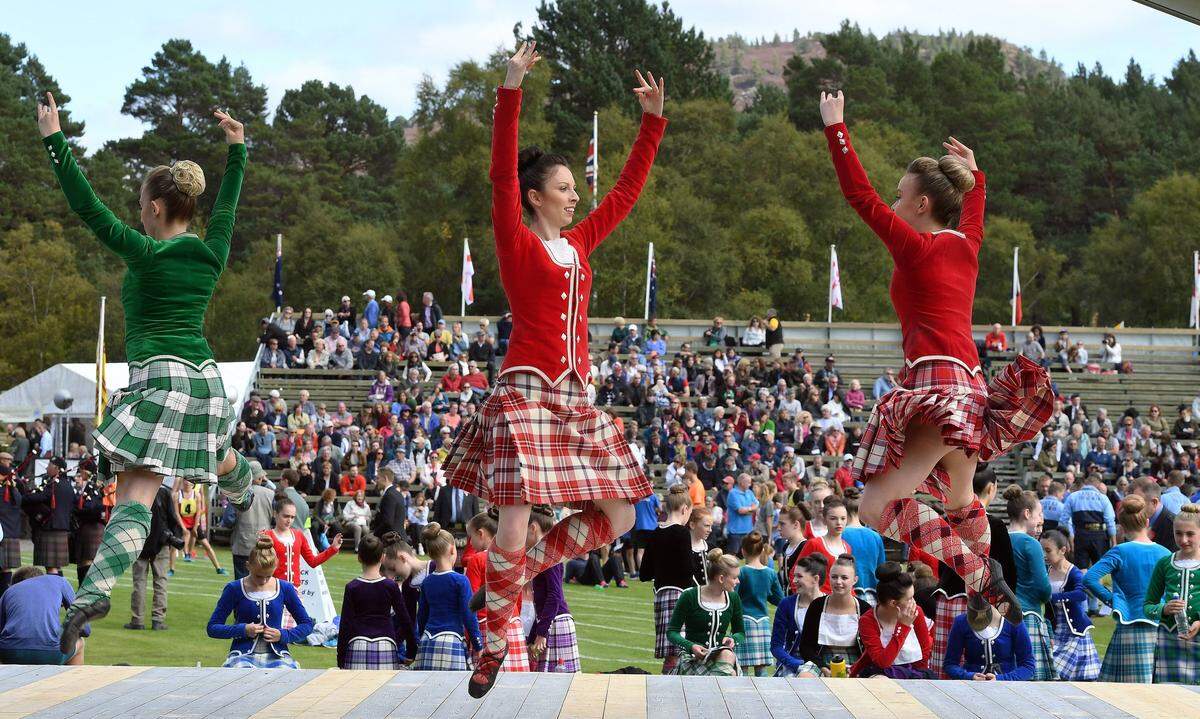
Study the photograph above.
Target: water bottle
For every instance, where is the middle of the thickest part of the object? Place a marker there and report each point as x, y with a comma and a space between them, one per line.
837, 666
1181, 622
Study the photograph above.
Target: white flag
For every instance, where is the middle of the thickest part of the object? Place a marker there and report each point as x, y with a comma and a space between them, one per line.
1194, 319
468, 274
835, 280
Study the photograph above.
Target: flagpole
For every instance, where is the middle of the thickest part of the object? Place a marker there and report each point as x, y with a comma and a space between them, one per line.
101, 390
278, 257
829, 318
462, 291
649, 269
1016, 280
596, 157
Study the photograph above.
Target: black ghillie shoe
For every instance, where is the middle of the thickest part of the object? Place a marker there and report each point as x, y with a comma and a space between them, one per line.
78, 619
487, 667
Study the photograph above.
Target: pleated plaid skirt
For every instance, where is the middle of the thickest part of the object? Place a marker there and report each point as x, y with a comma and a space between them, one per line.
87, 541
562, 647
51, 548
517, 659
239, 660
947, 609
690, 666
173, 419
1130, 654
1043, 649
1075, 656
533, 443
756, 650
443, 652
10, 553
364, 653
665, 600
1176, 661
978, 417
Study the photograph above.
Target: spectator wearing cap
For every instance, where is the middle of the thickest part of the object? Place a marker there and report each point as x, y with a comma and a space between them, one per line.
346, 315
884, 384
56, 498
430, 311
758, 470
843, 476
387, 309
633, 339
371, 309
272, 356
823, 375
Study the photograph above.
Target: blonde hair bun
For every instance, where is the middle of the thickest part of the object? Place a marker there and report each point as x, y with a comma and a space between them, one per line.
956, 170
188, 177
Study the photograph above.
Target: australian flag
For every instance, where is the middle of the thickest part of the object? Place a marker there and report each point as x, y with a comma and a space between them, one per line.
277, 291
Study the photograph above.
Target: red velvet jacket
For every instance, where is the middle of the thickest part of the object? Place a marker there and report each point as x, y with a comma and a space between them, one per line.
549, 299
881, 651
288, 567
933, 284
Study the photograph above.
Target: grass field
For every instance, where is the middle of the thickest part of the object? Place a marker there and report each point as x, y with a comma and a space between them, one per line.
616, 626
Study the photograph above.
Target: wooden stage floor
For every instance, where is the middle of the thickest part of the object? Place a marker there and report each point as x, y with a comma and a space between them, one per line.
98, 692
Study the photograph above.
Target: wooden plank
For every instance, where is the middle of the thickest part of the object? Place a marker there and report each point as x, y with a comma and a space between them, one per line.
626, 697
1078, 698
60, 687
1146, 701
389, 696
120, 698
742, 697
931, 696
664, 697
213, 685
505, 699
426, 699
898, 701
817, 699
25, 675
1012, 696
458, 704
297, 701
546, 699
279, 683
586, 696
781, 701
966, 693
858, 699
358, 685
1050, 703
703, 698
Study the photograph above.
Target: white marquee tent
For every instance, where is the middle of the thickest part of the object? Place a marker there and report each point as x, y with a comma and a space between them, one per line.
34, 398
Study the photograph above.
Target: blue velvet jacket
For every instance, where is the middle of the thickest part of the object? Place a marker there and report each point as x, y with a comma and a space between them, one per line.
259, 611
1073, 601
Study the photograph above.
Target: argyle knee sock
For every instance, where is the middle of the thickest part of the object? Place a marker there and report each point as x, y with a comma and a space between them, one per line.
578, 534
235, 484
970, 523
504, 577
918, 525
123, 540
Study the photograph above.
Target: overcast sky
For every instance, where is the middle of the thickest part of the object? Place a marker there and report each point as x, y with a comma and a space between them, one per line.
382, 48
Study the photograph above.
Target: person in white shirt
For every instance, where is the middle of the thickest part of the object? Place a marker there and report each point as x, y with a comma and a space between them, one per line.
827, 419
676, 470
356, 517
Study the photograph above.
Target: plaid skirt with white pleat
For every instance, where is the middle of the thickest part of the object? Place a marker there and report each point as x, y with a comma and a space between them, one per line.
665, 600
173, 419
948, 608
1043, 649
1129, 656
562, 647
517, 659
534, 443
1176, 661
378, 653
756, 649
443, 652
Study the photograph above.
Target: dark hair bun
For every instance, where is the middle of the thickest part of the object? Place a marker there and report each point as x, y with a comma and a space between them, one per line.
391, 539
528, 158
431, 531
1012, 491
677, 489
888, 571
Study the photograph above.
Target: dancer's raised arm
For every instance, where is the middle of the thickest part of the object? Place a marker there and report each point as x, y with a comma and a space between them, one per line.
122, 239
620, 199
970, 219
506, 187
220, 224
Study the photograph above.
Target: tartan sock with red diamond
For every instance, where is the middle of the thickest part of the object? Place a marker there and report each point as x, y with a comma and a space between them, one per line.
970, 523
578, 534
503, 578
918, 525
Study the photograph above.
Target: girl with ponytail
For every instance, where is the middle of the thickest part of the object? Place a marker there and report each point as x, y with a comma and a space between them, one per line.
510, 452
808, 576
1129, 656
447, 627
1075, 655
931, 435
375, 621
1033, 582
707, 622
257, 603
757, 586
1173, 600
668, 563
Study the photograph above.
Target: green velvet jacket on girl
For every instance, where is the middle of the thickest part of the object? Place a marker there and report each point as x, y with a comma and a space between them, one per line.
1171, 577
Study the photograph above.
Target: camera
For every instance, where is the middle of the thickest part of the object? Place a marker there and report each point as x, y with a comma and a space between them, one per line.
172, 540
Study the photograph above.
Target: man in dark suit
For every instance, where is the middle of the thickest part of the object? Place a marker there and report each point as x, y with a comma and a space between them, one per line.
1162, 522
393, 506
452, 507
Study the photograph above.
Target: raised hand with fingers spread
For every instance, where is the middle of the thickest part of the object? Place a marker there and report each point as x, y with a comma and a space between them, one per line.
651, 94
47, 117
961, 151
832, 107
235, 132
520, 63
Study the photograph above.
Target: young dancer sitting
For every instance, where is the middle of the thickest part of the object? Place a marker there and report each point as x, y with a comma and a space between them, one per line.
707, 622
895, 634
831, 624
808, 576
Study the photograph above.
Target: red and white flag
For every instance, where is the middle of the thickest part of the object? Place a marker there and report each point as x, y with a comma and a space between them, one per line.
468, 275
1194, 319
1016, 290
835, 283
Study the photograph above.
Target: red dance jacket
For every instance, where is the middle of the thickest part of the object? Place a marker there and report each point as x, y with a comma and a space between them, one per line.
288, 567
881, 651
933, 284
549, 299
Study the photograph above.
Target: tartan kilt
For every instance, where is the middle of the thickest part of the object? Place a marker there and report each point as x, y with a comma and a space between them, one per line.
948, 608
1075, 657
978, 417
364, 653
239, 660
51, 548
517, 659
1176, 661
10, 553
532, 443
1130, 654
805, 668
756, 650
173, 419
1043, 654
87, 541
690, 666
664, 605
562, 647
444, 652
